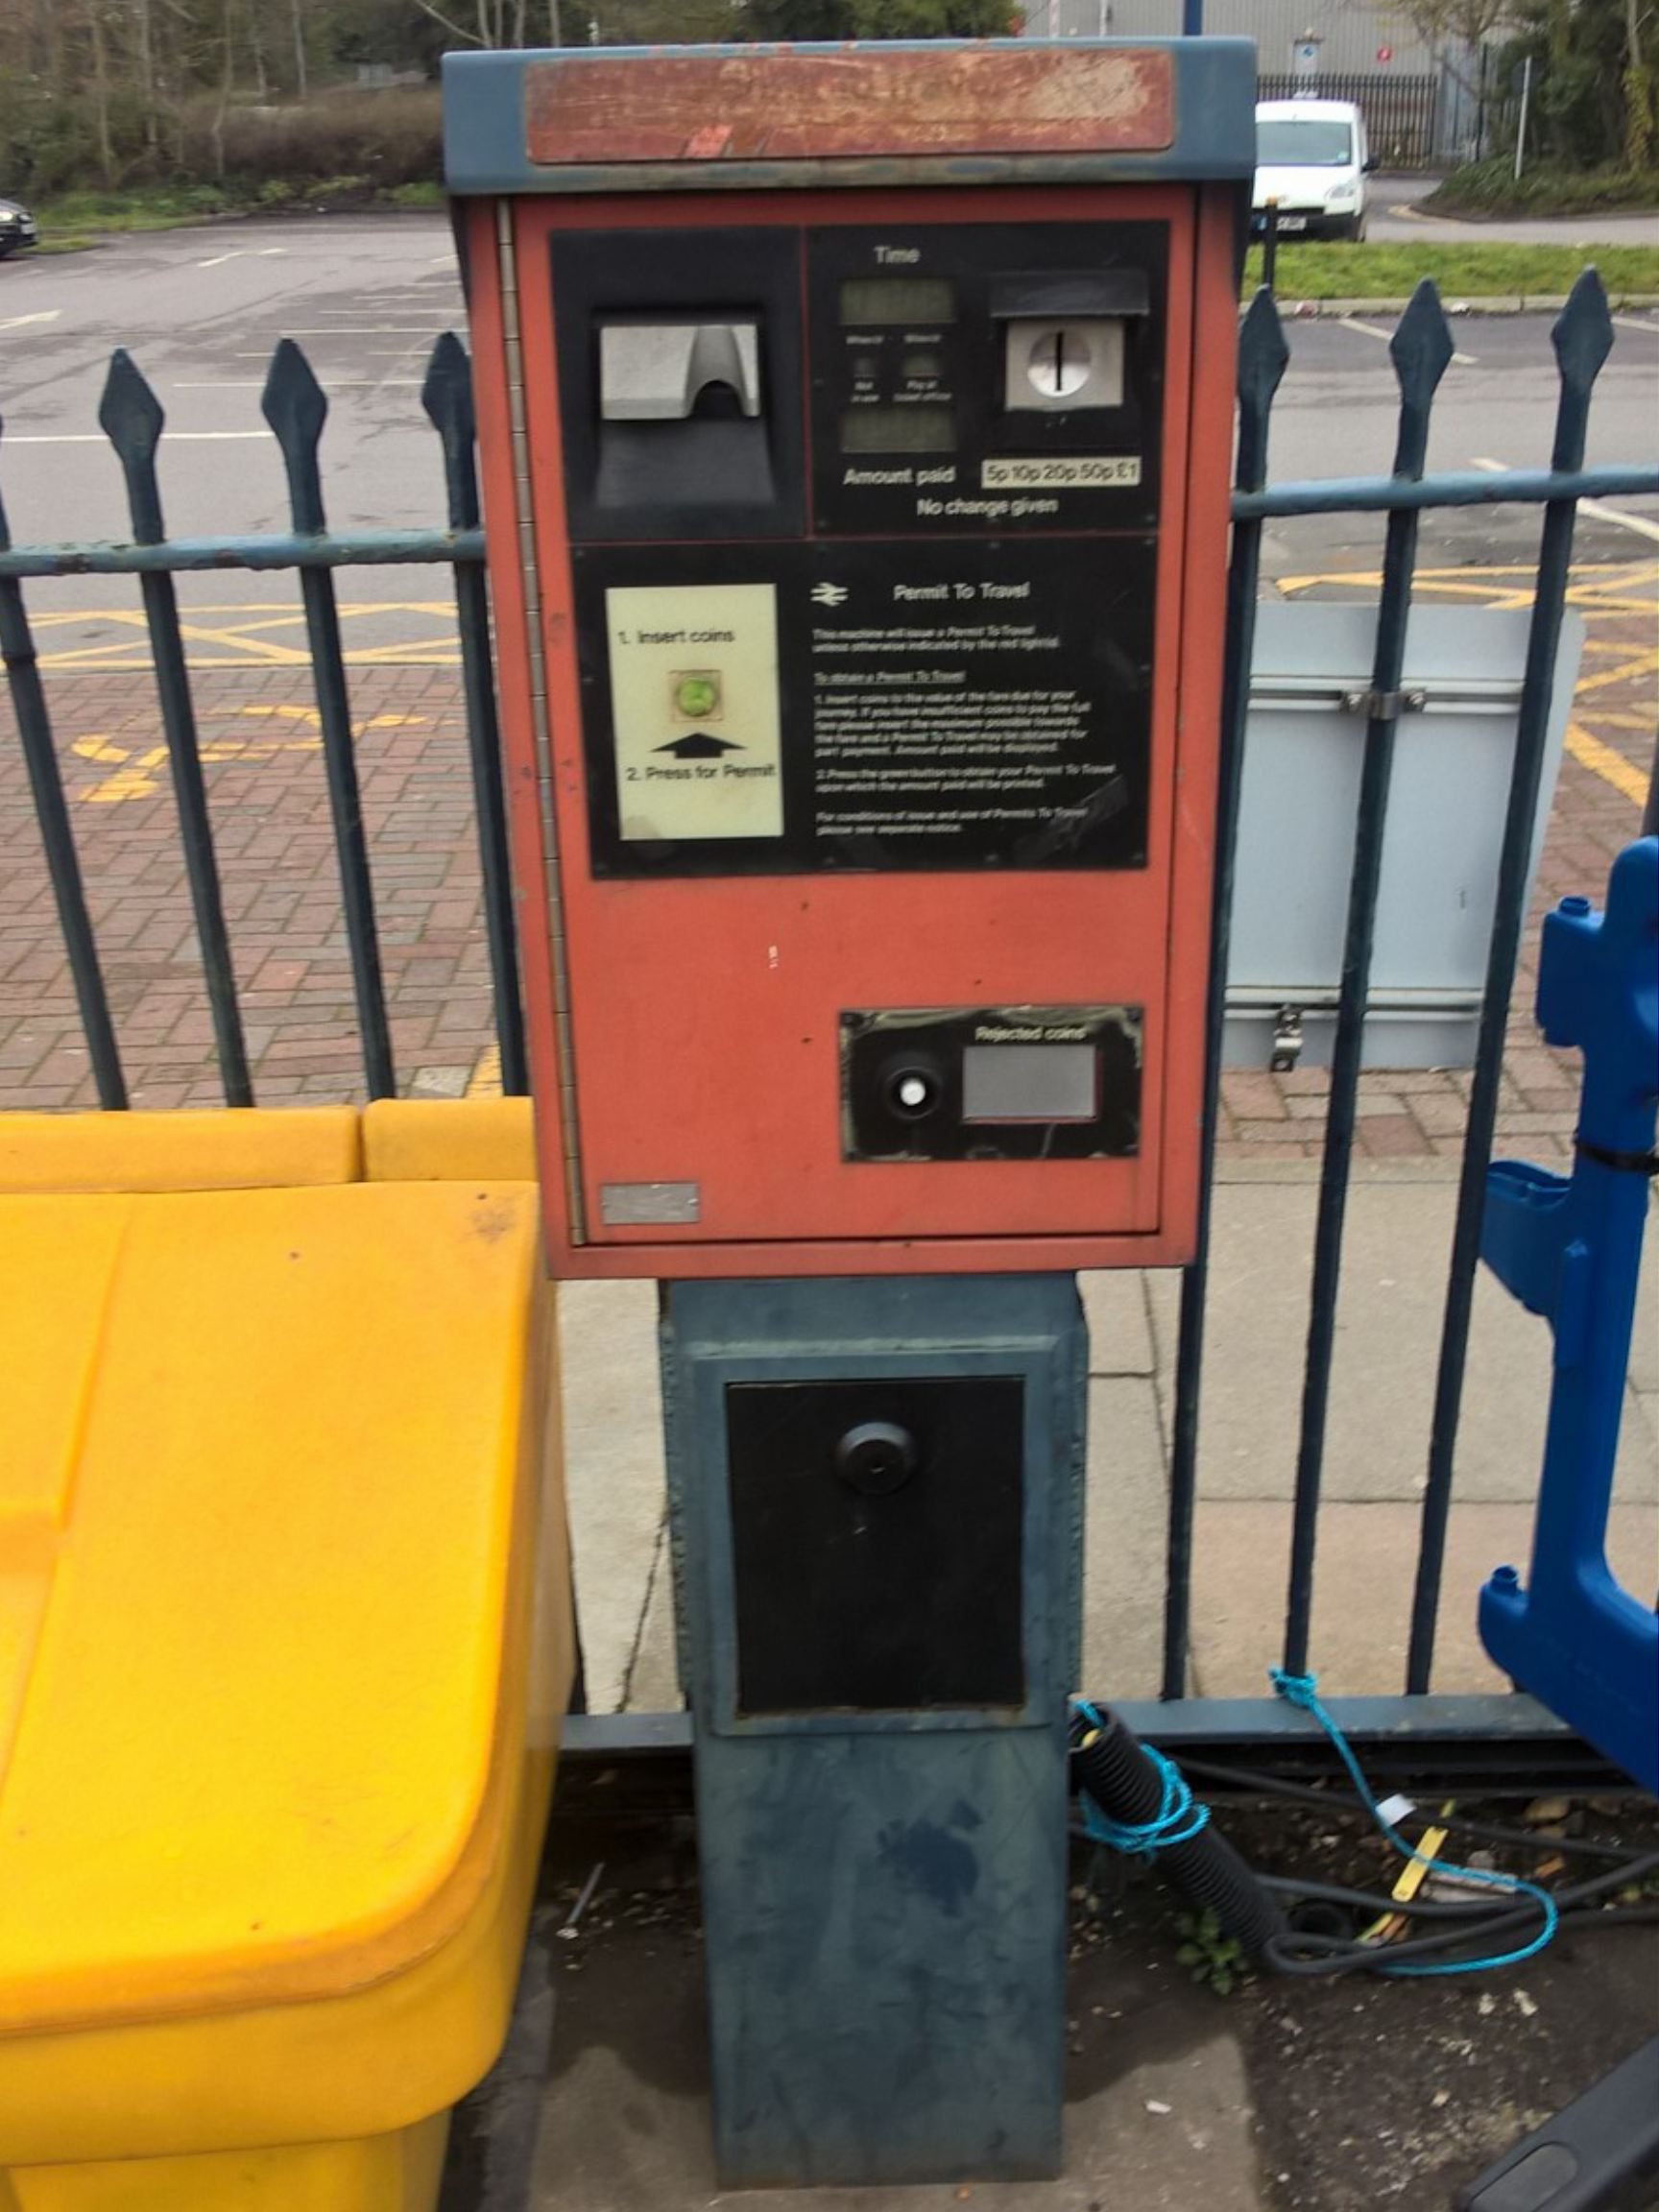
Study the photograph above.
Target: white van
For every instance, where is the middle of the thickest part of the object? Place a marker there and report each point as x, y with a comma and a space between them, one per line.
1311, 157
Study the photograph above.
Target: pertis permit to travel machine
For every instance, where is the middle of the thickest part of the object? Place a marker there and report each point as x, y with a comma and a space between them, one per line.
857, 424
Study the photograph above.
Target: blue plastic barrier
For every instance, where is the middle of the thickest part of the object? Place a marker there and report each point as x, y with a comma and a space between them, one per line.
1570, 1249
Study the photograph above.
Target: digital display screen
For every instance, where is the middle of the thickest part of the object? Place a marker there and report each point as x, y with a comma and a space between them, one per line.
922, 300
929, 427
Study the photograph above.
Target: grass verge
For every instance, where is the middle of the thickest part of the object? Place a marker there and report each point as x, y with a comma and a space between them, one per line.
1462, 272
77, 220
1492, 189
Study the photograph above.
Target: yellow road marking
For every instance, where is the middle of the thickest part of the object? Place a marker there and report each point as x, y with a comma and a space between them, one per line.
484, 1080
135, 776
1612, 767
1602, 592
244, 637
1626, 672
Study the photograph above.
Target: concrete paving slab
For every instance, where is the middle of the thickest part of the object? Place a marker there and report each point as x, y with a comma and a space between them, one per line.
1166, 2136
1397, 1244
1119, 1328
653, 1684
612, 1468
1364, 1570
1389, 1326
1645, 1342
1125, 1530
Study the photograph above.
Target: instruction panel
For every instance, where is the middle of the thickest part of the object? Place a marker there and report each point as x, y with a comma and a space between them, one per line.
694, 703
897, 705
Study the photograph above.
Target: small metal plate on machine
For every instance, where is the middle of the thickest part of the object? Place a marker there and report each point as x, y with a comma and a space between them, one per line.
877, 1543
991, 1083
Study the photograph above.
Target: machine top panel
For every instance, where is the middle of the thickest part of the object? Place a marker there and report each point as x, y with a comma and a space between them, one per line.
955, 112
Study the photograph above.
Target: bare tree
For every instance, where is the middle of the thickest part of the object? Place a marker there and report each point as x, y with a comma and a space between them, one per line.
1469, 22
227, 86
449, 23
1638, 95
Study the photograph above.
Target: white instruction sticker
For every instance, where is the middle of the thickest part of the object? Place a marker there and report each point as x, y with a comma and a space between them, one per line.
1073, 473
694, 709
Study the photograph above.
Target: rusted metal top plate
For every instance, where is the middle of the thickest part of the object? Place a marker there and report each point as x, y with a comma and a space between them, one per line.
817, 104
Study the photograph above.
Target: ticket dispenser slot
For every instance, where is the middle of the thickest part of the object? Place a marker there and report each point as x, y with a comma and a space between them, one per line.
672, 364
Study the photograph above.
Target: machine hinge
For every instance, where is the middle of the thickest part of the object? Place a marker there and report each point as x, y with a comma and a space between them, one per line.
1383, 705
1286, 1039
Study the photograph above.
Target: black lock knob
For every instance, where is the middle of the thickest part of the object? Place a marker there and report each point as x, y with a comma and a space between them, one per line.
877, 1457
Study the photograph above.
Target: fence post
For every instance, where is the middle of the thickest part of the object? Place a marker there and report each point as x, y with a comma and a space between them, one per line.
1422, 350
448, 398
131, 416
1583, 338
62, 862
295, 408
1263, 358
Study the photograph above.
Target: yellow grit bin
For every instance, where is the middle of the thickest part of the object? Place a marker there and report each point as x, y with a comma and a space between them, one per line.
285, 1639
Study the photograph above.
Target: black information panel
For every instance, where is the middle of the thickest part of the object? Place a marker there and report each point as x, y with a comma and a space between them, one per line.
775, 709
972, 378
877, 1543
991, 1083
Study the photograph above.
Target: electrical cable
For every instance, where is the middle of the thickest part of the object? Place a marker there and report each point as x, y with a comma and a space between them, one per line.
1344, 1800
1634, 1869
1448, 1928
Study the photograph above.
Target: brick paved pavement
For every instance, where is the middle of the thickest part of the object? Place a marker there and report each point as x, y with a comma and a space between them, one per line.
269, 810
281, 896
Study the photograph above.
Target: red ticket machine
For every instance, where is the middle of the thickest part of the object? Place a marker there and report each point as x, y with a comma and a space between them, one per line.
855, 426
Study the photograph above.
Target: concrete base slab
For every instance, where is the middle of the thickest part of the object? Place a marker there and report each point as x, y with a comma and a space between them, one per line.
1120, 1325
653, 1684
614, 1470
1363, 1575
1165, 2136
1125, 1532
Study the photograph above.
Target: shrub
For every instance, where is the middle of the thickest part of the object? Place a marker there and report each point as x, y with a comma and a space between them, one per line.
1491, 188
379, 140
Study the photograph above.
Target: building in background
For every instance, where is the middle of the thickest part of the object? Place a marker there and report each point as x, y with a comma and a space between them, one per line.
1420, 100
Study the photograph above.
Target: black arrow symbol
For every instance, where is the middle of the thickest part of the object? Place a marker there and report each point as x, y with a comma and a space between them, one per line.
699, 745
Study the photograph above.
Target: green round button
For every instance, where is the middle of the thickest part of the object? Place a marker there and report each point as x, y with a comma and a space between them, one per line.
697, 696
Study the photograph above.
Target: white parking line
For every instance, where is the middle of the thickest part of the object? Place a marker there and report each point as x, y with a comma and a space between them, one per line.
1635, 322
96, 438
22, 322
1373, 330
358, 353
1597, 509
257, 383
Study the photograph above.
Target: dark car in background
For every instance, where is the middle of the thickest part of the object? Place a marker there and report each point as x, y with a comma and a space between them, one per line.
16, 229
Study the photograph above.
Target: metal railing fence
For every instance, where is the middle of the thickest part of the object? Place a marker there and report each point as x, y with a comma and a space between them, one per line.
1422, 348
1400, 111
297, 410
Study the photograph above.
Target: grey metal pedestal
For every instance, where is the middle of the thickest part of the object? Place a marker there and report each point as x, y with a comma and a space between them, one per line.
876, 1504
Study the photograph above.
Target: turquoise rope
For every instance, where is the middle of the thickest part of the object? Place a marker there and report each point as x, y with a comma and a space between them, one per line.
1179, 1817
1303, 1692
